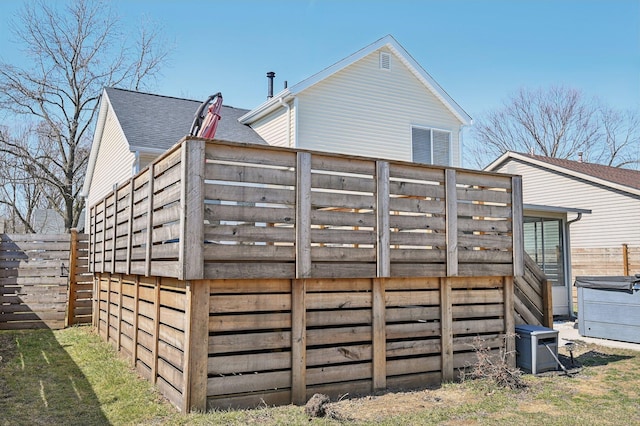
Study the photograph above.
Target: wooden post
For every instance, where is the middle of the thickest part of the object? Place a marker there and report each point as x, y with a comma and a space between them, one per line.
298, 342
92, 240
156, 331
379, 335
625, 260
547, 304
194, 393
136, 300
70, 317
115, 228
95, 317
119, 327
149, 240
130, 226
452, 222
192, 204
382, 223
104, 235
509, 321
108, 319
303, 215
446, 329
518, 226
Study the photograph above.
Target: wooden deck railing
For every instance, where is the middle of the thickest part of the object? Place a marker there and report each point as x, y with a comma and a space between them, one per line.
533, 301
210, 209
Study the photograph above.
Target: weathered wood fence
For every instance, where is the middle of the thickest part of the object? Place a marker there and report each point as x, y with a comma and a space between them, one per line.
216, 210
44, 281
242, 343
533, 296
232, 274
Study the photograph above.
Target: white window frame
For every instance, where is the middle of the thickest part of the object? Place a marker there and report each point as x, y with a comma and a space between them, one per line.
431, 129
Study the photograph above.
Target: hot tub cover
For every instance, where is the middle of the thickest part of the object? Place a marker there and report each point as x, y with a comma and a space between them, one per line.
614, 283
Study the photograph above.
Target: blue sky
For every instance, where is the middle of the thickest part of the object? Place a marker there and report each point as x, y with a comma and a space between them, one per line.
480, 51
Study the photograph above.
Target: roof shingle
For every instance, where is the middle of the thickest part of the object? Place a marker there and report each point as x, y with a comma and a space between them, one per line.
627, 177
155, 122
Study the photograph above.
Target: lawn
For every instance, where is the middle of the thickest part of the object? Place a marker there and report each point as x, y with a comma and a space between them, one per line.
71, 377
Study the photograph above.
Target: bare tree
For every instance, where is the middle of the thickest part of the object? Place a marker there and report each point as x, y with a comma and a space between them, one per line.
620, 140
20, 194
558, 122
75, 49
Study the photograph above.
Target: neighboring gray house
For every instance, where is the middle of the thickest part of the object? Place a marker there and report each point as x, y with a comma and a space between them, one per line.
599, 204
134, 128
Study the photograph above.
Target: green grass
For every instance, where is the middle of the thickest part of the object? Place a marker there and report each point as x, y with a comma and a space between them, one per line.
71, 377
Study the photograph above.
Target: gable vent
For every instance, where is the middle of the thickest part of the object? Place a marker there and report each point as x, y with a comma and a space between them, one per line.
385, 61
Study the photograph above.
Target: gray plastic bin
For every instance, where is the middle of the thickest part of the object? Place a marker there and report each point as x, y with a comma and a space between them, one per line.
532, 354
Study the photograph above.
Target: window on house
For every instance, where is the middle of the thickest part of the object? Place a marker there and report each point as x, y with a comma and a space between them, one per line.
431, 146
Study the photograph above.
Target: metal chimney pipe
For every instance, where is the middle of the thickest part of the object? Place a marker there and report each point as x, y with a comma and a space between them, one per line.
270, 75
286, 84
580, 157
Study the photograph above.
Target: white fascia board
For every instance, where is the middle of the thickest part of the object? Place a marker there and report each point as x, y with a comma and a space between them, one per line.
426, 79
105, 105
497, 162
146, 150
329, 71
543, 208
397, 50
563, 170
265, 108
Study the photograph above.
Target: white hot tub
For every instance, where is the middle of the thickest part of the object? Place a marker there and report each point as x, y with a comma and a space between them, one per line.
609, 307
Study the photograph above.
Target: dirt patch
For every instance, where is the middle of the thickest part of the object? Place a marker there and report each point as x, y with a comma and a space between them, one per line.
378, 407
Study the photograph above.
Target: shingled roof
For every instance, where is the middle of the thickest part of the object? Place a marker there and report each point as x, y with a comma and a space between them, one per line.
625, 179
155, 123
617, 175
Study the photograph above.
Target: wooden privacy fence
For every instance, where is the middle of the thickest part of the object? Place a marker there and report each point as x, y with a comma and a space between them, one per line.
622, 260
208, 209
242, 343
231, 274
44, 280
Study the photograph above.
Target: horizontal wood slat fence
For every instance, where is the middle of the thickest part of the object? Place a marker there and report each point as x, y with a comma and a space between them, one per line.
44, 281
233, 275
241, 343
212, 210
533, 296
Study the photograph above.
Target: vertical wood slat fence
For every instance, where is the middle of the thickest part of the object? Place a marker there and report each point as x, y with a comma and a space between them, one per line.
44, 281
231, 274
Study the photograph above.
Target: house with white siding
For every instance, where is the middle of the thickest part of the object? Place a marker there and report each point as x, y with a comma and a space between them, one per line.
377, 102
599, 205
133, 128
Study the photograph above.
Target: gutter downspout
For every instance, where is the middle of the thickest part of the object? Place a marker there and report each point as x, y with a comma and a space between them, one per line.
288, 107
572, 314
136, 163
